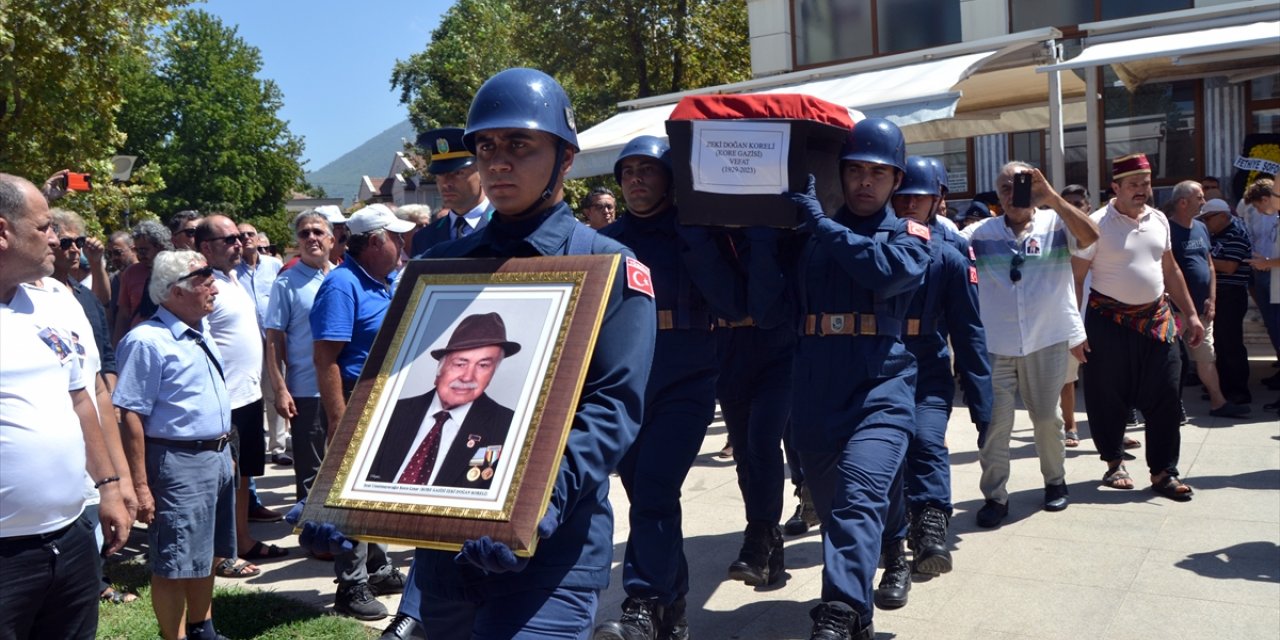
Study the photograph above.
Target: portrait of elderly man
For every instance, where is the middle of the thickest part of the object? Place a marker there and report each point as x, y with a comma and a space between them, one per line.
452, 435
177, 422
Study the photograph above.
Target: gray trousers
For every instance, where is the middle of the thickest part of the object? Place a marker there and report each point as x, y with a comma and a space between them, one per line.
1037, 378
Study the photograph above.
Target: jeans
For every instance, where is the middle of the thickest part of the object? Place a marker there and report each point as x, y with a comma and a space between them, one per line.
51, 585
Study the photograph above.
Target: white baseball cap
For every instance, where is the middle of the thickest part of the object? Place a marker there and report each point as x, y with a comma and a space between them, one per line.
375, 217
332, 213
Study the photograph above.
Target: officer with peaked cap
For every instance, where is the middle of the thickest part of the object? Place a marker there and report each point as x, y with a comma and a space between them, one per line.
694, 282
853, 392
461, 193
944, 308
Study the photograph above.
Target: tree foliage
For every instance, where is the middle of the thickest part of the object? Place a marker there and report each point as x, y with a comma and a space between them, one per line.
197, 112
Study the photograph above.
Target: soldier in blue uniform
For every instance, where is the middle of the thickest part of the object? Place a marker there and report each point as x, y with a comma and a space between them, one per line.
694, 281
522, 131
854, 381
946, 306
461, 191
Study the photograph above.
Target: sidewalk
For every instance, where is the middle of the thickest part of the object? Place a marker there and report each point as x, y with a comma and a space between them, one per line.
1127, 565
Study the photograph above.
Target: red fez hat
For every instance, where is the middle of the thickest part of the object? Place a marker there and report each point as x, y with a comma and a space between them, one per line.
1130, 165
479, 330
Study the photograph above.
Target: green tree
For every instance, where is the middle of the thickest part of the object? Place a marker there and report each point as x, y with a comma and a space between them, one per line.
200, 115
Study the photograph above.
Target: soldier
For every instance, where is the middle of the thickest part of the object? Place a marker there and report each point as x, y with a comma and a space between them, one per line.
853, 391
463, 197
945, 307
694, 282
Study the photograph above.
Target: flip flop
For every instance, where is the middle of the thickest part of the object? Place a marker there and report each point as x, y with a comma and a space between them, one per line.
1072, 440
263, 551
117, 597
1115, 476
1169, 486
229, 568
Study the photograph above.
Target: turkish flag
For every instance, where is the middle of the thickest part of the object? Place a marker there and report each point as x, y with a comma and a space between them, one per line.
638, 277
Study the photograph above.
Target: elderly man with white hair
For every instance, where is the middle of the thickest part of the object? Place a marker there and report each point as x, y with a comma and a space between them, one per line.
177, 423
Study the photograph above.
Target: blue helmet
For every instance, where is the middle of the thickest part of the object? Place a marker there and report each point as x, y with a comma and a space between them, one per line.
919, 179
941, 170
521, 98
878, 141
648, 146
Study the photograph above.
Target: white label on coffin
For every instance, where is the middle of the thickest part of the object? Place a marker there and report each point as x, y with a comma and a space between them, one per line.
734, 157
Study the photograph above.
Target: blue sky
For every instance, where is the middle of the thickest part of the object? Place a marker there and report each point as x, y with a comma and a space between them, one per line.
332, 59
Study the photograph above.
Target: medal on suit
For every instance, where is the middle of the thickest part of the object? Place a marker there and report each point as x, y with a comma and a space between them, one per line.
473, 474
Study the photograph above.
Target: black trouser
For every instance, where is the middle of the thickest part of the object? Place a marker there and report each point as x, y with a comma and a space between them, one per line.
1228, 340
309, 428
1128, 369
50, 584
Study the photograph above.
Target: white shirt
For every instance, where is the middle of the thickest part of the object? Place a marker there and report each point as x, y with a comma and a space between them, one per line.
1127, 258
234, 327
475, 219
42, 450
1039, 310
448, 432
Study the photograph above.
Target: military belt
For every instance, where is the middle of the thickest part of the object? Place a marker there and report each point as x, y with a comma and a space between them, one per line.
732, 324
840, 324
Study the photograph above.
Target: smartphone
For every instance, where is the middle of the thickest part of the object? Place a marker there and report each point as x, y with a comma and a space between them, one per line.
78, 182
1021, 190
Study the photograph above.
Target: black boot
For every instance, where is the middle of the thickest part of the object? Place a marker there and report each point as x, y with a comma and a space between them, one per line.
674, 624
838, 621
929, 531
805, 516
639, 621
895, 584
760, 560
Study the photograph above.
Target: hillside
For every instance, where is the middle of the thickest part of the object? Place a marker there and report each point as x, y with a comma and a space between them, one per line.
341, 178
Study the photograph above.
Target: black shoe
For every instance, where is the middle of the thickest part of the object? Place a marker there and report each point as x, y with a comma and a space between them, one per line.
1230, 410
1133, 419
639, 621
760, 560
992, 514
895, 583
281, 459
805, 517
1272, 382
674, 625
403, 627
391, 584
929, 532
1239, 398
1055, 497
838, 621
357, 601
795, 525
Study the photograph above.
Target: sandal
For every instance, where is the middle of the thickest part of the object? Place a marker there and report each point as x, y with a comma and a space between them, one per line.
1073, 439
229, 568
1116, 476
1130, 443
263, 551
117, 597
1173, 488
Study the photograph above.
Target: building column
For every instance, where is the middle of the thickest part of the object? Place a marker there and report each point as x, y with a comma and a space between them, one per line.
1224, 129
990, 153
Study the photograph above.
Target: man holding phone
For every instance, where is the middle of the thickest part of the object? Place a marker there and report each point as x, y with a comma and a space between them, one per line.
1028, 306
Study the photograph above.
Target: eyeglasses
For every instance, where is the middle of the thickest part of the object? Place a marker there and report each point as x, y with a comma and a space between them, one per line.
65, 243
227, 240
248, 235
1015, 274
606, 207
115, 253
271, 249
312, 233
190, 233
202, 272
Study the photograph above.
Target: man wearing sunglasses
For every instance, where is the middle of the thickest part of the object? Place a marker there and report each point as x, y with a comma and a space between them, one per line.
182, 228
1027, 301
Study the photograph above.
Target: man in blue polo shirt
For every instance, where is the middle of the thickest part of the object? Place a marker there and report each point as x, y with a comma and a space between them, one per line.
345, 317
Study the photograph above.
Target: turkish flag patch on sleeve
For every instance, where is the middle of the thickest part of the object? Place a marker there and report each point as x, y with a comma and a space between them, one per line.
638, 277
918, 230
973, 275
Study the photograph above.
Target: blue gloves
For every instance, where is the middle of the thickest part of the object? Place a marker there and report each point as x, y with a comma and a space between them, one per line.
808, 202
495, 557
319, 537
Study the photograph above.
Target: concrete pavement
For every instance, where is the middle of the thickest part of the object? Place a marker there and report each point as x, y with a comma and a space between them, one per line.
1116, 564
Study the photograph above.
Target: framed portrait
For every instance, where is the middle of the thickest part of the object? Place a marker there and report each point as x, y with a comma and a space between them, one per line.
458, 423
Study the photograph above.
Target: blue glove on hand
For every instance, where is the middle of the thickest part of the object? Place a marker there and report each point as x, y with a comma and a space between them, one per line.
495, 557
808, 202
295, 514
318, 537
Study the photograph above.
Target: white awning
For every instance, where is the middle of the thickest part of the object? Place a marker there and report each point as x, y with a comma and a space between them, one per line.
1183, 54
907, 95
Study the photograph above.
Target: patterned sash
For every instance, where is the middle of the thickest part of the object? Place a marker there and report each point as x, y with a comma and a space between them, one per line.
1154, 320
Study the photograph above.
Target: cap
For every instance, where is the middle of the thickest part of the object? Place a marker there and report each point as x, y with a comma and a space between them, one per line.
448, 154
375, 217
1131, 164
1216, 205
977, 211
478, 330
332, 213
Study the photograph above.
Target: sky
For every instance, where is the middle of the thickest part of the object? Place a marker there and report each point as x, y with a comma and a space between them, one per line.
333, 59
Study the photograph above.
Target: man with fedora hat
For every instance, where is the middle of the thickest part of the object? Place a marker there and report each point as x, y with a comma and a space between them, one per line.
453, 165
452, 436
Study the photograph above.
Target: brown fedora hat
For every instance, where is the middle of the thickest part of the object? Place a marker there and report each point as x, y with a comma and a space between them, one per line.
479, 330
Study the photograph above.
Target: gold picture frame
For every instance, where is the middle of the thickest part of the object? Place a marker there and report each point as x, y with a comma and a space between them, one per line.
494, 458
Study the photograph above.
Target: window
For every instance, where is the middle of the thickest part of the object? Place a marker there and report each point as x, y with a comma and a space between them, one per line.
954, 154
1158, 119
829, 31
1264, 105
1033, 14
1029, 147
1113, 10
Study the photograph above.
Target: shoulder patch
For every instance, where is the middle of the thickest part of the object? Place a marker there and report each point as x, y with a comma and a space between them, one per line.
973, 275
972, 255
638, 277
918, 230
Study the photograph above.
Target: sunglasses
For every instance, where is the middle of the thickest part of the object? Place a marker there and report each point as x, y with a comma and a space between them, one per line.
115, 253
248, 235
270, 249
312, 233
227, 240
202, 272
1015, 274
190, 233
65, 243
